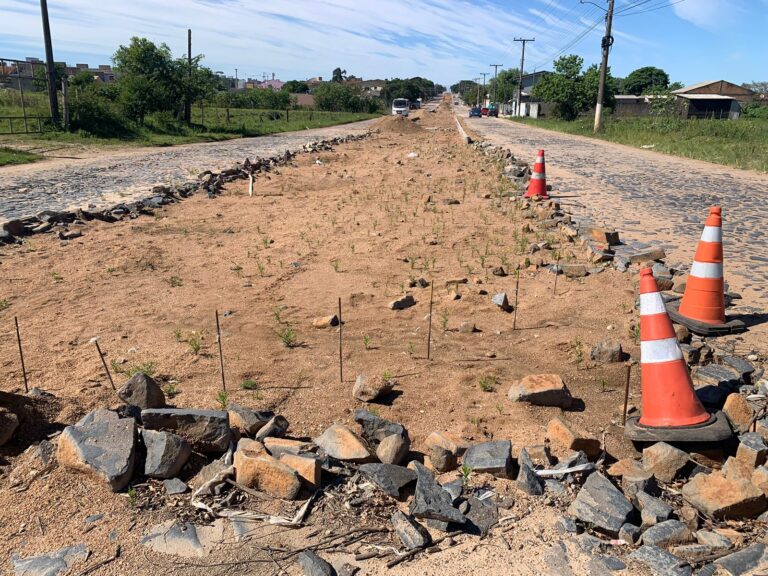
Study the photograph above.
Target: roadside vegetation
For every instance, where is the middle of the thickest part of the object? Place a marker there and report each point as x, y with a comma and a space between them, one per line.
12, 156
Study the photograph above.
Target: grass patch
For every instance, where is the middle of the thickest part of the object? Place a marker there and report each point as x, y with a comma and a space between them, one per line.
739, 143
10, 156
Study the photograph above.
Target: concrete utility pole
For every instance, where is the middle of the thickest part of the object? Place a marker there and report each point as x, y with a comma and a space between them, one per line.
522, 64
477, 101
484, 74
188, 98
49, 64
495, 75
606, 43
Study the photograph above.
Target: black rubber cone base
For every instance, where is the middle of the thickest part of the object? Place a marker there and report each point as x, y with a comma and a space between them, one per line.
716, 429
702, 328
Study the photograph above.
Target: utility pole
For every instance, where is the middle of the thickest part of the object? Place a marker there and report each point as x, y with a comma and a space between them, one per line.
49, 64
237, 82
188, 99
484, 74
477, 102
606, 44
522, 64
495, 83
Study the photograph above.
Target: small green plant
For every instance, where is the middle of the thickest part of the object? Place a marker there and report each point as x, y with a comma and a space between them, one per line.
276, 311
577, 352
170, 389
249, 384
132, 497
237, 269
260, 266
487, 383
527, 262
466, 473
411, 349
287, 337
223, 399
147, 368
634, 332
386, 376
603, 385
367, 341
500, 409
336, 265
265, 241
195, 341
444, 316
174, 281
56, 276
4, 304
177, 334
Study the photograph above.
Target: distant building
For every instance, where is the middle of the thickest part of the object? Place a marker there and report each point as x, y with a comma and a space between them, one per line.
372, 88
304, 100
273, 84
527, 84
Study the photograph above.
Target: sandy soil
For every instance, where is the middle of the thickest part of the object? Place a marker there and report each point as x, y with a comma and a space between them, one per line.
350, 224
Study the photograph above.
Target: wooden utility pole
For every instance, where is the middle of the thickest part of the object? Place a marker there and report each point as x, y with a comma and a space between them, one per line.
49, 65
606, 44
495, 78
188, 99
484, 74
522, 64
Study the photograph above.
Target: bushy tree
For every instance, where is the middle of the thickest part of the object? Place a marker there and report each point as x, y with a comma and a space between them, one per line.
82, 79
335, 97
503, 88
40, 76
467, 91
571, 90
338, 75
296, 87
646, 79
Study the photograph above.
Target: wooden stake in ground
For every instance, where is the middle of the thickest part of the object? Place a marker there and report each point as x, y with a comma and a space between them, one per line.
221, 354
104, 363
21, 355
626, 396
517, 290
557, 273
429, 332
341, 363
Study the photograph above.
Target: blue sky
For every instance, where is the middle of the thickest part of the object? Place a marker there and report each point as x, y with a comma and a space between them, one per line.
445, 40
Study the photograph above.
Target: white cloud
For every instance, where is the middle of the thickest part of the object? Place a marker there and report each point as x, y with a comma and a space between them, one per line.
703, 13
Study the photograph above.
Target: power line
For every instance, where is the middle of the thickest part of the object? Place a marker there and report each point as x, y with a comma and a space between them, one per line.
653, 8
631, 6
570, 44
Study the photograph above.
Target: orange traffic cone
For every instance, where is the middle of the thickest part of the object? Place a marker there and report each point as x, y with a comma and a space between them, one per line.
671, 411
538, 183
703, 299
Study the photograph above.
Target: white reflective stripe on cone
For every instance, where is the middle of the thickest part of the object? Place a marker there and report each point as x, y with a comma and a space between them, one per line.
712, 234
537, 176
707, 269
651, 303
665, 350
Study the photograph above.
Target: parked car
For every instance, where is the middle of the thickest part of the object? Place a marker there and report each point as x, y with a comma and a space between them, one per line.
484, 111
400, 107
493, 111
475, 111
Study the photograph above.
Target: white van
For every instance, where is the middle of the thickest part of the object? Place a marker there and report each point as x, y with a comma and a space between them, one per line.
400, 107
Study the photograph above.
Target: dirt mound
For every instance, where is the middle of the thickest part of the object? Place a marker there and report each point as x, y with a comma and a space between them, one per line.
396, 125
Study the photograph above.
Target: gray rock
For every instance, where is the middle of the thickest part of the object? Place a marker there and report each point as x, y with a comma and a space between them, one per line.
502, 301
166, 453
402, 303
527, 480
50, 564
493, 457
574, 270
175, 486
604, 565
454, 488
389, 477
276, 427
652, 510
557, 560
431, 501
667, 533
375, 429
207, 430
599, 502
743, 561
312, 565
348, 570
660, 562
101, 444
565, 525
370, 389
554, 487
717, 375
742, 366
590, 543
664, 460
411, 533
184, 539
692, 552
246, 420
752, 449
442, 460
9, 422
393, 449
142, 391
630, 533
713, 540
607, 351
482, 516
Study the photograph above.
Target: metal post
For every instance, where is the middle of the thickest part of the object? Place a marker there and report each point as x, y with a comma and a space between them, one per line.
104, 363
341, 364
188, 99
21, 355
221, 354
49, 64
429, 333
65, 100
606, 45
517, 291
626, 396
522, 65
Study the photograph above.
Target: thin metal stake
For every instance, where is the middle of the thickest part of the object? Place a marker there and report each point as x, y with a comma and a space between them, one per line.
341, 364
21, 355
517, 290
429, 333
557, 273
221, 354
104, 363
626, 396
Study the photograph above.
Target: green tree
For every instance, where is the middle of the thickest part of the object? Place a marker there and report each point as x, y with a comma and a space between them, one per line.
296, 87
335, 97
676, 86
645, 79
503, 87
81, 79
467, 91
40, 80
338, 75
148, 79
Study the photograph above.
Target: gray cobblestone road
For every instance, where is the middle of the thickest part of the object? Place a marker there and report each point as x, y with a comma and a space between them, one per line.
651, 197
114, 177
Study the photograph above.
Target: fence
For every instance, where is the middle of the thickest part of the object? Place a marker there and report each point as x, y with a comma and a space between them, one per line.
23, 102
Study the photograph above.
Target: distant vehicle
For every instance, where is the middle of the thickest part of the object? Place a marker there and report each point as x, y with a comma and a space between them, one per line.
492, 110
400, 107
484, 111
475, 111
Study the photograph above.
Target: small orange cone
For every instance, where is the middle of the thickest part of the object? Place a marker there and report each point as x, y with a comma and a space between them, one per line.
538, 183
668, 398
704, 300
